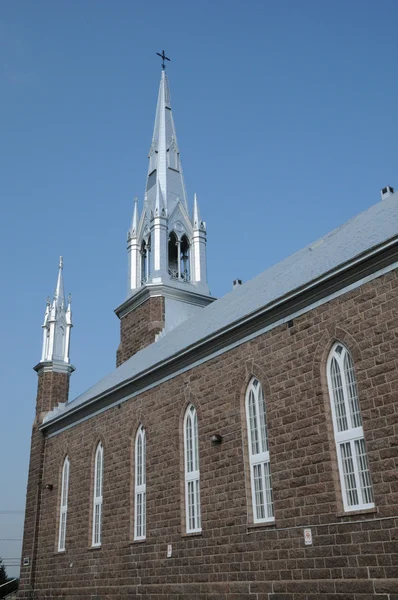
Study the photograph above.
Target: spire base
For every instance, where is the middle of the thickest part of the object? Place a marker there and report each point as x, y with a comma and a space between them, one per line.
53, 366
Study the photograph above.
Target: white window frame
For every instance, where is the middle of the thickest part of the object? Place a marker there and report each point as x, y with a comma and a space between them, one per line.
347, 417
259, 459
63, 509
140, 485
192, 472
97, 496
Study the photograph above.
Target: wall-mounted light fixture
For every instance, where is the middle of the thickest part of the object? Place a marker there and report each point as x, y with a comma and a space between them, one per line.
216, 438
49, 486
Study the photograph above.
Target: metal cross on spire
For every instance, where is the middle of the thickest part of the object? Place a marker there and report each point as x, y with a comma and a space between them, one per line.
163, 57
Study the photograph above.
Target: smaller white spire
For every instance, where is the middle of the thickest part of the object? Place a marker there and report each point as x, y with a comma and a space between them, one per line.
57, 324
134, 222
47, 311
196, 214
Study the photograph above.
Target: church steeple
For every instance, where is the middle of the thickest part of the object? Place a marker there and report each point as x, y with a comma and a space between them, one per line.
163, 246
167, 281
57, 325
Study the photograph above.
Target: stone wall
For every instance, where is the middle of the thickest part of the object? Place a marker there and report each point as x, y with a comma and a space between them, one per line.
52, 388
139, 327
353, 556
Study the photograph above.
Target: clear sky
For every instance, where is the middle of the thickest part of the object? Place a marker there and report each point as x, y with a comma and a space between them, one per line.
286, 115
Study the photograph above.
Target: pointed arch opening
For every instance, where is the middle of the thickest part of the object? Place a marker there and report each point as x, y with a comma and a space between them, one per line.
192, 473
63, 511
179, 257
97, 499
140, 485
355, 478
185, 269
145, 260
259, 458
173, 252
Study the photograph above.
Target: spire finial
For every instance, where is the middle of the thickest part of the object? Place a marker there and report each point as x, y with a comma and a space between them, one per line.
61, 262
163, 57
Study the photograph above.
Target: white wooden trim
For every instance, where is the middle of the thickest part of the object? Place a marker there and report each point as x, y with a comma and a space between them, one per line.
350, 434
192, 472
97, 496
140, 486
63, 510
259, 460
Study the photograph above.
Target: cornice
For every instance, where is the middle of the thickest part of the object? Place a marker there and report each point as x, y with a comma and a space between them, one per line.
52, 366
176, 292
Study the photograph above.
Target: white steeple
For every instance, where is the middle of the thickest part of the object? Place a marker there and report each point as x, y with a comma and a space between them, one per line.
165, 246
56, 327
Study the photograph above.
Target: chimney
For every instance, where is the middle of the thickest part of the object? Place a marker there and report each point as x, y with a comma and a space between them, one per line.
236, 283
386, 192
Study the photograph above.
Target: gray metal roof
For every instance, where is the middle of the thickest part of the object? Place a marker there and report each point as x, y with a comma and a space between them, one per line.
365, 231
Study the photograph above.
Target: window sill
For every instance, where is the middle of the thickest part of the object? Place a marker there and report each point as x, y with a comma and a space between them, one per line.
58, 552
258, 526
192, 534
133, 542
360, 511
94, 548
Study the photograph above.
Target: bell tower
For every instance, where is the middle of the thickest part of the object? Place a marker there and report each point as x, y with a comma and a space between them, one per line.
166, 244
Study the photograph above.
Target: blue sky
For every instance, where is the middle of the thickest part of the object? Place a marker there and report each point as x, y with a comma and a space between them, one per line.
286, 115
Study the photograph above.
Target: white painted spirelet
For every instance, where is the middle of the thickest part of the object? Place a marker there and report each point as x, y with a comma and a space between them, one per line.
57, 327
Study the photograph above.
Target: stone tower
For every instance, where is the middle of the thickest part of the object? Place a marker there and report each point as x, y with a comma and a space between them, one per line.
53, 370
167, 279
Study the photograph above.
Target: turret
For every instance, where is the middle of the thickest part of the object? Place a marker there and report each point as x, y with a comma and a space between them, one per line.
54, 368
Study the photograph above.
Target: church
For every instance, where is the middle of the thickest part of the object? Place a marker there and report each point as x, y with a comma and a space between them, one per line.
244, 448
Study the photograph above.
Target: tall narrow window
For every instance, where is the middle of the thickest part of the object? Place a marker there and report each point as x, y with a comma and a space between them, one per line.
352, 459
63, 506
140, 485
192, 475
260, 471
97, 504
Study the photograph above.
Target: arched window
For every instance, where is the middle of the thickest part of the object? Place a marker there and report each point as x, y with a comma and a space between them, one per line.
352, 459
140, 485
192, 475
260, 472
97, 504
63, 506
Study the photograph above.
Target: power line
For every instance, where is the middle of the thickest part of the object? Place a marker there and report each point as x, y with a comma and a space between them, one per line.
10, 539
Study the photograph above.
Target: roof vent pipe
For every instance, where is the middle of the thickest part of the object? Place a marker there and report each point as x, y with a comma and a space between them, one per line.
386, 192
236, 283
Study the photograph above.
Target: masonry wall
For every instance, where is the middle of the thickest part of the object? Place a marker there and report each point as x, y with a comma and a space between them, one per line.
353, 557
52, 388
139, 327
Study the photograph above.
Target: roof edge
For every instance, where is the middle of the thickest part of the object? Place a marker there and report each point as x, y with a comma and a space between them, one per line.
371, 261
